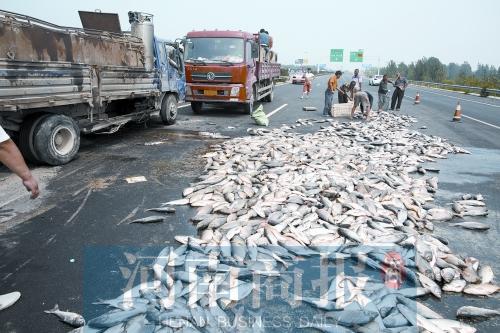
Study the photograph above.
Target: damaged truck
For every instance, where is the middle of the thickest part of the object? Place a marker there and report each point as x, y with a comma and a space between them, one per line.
59, 82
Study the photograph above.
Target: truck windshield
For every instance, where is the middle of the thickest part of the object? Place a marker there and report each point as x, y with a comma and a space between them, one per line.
215, 50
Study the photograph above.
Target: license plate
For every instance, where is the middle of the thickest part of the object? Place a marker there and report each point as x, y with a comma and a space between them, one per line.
210, 92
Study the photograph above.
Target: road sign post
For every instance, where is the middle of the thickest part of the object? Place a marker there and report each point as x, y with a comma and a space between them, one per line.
356, 56
337, 55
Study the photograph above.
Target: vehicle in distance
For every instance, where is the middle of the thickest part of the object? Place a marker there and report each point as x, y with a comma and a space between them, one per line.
57, 82
225, 66
375, 80
298, 78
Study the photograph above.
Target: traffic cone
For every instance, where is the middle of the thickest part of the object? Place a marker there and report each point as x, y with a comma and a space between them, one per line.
417, 98
458, 112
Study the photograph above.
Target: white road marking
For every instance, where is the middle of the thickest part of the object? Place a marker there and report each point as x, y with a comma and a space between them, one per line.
281, 84
463, 115
480, 121
458, 97
278, 109
183, 106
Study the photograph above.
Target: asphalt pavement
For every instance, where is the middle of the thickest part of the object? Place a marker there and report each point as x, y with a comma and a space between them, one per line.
77, 245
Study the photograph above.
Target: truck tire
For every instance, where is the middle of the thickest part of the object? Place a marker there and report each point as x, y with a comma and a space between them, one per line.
269, 98
248, 107
196, 107
57, 139
168, 111
27, 133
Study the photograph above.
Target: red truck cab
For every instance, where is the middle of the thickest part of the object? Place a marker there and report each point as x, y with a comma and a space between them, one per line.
228, 67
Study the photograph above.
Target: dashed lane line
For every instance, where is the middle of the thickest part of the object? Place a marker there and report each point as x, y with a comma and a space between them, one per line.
480, 121
276, 110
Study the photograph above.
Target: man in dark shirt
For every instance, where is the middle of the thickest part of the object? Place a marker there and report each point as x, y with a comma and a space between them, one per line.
383, 99
400, 84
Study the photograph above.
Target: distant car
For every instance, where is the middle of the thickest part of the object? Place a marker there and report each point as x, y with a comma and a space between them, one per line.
375, 81
298, 78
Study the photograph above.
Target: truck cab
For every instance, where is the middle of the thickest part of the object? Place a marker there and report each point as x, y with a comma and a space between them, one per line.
226, 67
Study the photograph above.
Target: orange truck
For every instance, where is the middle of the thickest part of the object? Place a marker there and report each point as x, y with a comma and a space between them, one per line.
228, 67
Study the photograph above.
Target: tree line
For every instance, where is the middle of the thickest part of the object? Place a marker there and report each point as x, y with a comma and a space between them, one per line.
433, 70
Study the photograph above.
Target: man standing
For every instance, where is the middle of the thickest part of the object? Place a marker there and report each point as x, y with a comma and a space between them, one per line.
11, 157
330, 92
308, 77
400, 84
382, 93
357, 78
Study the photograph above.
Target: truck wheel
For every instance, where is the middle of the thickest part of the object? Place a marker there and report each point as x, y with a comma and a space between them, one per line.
168, 111
196, 106
248, 108
57, 139
269, 98
27, 135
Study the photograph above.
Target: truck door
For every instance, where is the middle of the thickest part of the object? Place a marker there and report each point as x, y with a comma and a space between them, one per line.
176, 76
162, 66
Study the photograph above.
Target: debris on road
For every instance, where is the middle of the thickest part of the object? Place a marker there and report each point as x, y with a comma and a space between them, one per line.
475, 312
213, 135
154, 143
346, 191
309, 108
162, 210
260, 117
136, 179
149, 219
71, 318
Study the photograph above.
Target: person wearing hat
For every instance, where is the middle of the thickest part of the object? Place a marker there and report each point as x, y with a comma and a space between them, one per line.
330, 92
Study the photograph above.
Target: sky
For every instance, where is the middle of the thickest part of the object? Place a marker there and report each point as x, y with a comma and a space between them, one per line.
402, 30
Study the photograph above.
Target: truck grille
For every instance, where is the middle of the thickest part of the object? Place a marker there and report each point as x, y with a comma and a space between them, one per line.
211, 76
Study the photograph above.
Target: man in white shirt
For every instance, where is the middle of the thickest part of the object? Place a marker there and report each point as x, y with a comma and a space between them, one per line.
358, 79
11, 157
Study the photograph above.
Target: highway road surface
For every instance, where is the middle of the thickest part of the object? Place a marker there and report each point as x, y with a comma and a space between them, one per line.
72, 243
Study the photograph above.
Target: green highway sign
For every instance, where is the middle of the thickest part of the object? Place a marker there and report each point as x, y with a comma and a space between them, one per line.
337, 55
356, 56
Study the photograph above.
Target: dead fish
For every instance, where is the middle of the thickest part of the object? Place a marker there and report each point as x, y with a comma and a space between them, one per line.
439, 214
456, 286
149, 219
162, 210
448, 274
71, 318
483, 289
471, 225
179, 202
475, 312
352, 317
486, 274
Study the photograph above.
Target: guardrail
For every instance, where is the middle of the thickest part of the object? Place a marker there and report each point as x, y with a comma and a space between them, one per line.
484, 92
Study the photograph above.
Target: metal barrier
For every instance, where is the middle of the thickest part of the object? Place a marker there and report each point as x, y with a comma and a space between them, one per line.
457, 87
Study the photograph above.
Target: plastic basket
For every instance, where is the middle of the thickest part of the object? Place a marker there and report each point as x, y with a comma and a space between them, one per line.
342, 109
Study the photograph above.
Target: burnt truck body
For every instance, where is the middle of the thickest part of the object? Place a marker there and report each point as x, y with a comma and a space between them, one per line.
57, 82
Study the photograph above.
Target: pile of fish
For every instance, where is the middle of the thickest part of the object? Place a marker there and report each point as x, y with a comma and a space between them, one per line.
352, 190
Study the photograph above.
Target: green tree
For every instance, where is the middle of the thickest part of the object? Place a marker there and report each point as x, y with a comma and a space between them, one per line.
411, 71
420, 73
465, 70
435, 70
403, 69
453, 69
391, 69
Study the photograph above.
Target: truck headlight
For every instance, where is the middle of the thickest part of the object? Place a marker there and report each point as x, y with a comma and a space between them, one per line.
235, 91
